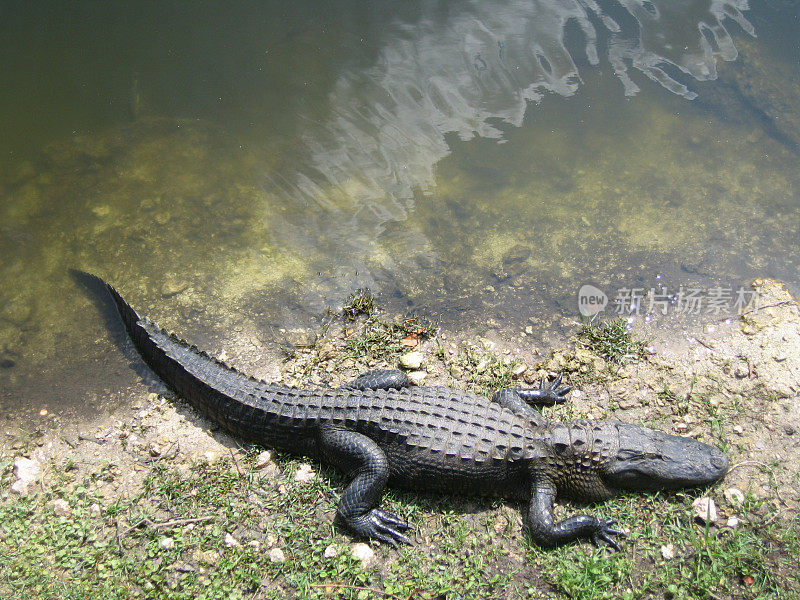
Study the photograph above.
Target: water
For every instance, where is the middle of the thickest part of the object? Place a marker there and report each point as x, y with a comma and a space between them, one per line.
235, 171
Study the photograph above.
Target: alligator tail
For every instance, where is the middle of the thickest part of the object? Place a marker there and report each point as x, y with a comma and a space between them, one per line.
129, 316
193, 374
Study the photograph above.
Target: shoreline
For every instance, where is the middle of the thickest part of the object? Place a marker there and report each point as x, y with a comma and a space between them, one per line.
736, 388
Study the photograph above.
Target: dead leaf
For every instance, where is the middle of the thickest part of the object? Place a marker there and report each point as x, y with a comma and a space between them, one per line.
410, 340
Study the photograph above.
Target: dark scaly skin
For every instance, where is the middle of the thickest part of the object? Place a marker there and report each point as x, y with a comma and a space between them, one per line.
382, 432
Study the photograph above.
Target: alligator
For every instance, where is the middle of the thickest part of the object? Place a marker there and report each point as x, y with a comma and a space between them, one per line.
381, 431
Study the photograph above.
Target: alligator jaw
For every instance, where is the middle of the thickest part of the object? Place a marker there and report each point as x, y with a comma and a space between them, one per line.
652, 460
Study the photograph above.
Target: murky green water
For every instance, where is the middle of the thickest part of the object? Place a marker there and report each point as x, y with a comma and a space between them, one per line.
236, 170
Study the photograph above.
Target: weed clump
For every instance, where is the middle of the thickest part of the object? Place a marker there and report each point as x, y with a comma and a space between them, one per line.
360, 302
612, 341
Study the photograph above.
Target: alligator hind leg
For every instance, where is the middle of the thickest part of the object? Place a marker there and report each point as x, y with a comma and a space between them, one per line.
360, 457
379, 380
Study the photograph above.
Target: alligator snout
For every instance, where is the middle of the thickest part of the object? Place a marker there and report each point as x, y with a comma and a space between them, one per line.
651, 460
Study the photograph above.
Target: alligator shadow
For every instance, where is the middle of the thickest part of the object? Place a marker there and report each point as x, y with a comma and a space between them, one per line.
98, 295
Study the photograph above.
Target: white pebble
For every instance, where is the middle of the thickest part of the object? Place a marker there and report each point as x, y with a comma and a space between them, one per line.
734, 496
26, 471
304, 473
167, 543
362, 552
264, 459
276, 555
705, 510
412, 360
417, 377
61, 508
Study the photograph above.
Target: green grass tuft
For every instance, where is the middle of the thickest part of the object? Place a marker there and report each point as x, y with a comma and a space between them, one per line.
613, 341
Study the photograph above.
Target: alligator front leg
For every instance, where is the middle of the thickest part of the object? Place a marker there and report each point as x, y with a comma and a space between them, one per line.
520, 400
360, 457
538, 520
379, 380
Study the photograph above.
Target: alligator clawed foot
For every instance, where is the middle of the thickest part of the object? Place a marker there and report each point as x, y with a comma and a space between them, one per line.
383, 526
553, 390
604, 532
547, 393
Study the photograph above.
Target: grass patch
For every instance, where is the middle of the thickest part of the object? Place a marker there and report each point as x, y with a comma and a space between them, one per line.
466, 548
750, 561
483, 370
612, 341
380, 339
360, 302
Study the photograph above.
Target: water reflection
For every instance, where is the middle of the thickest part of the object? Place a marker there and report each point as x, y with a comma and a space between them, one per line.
467, 73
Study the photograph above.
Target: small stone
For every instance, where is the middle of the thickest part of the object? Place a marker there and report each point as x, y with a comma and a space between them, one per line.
668, 552
732, 522
95, 510
26, 471
417, 377
781, 390
331, 551
529, 330
61, 508
255, 545
741, 371
363, 553
412, 360
738, 429
167, 543
519, 369
231, 542
276, 555
155, 449
102, 210
681, 426
172, 288
733, 496
210, 557
705, 510
300, 338
211, 456
264, 459
304, 473
789, 429
327, 350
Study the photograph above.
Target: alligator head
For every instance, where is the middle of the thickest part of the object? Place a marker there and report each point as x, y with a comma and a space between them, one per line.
652, 460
